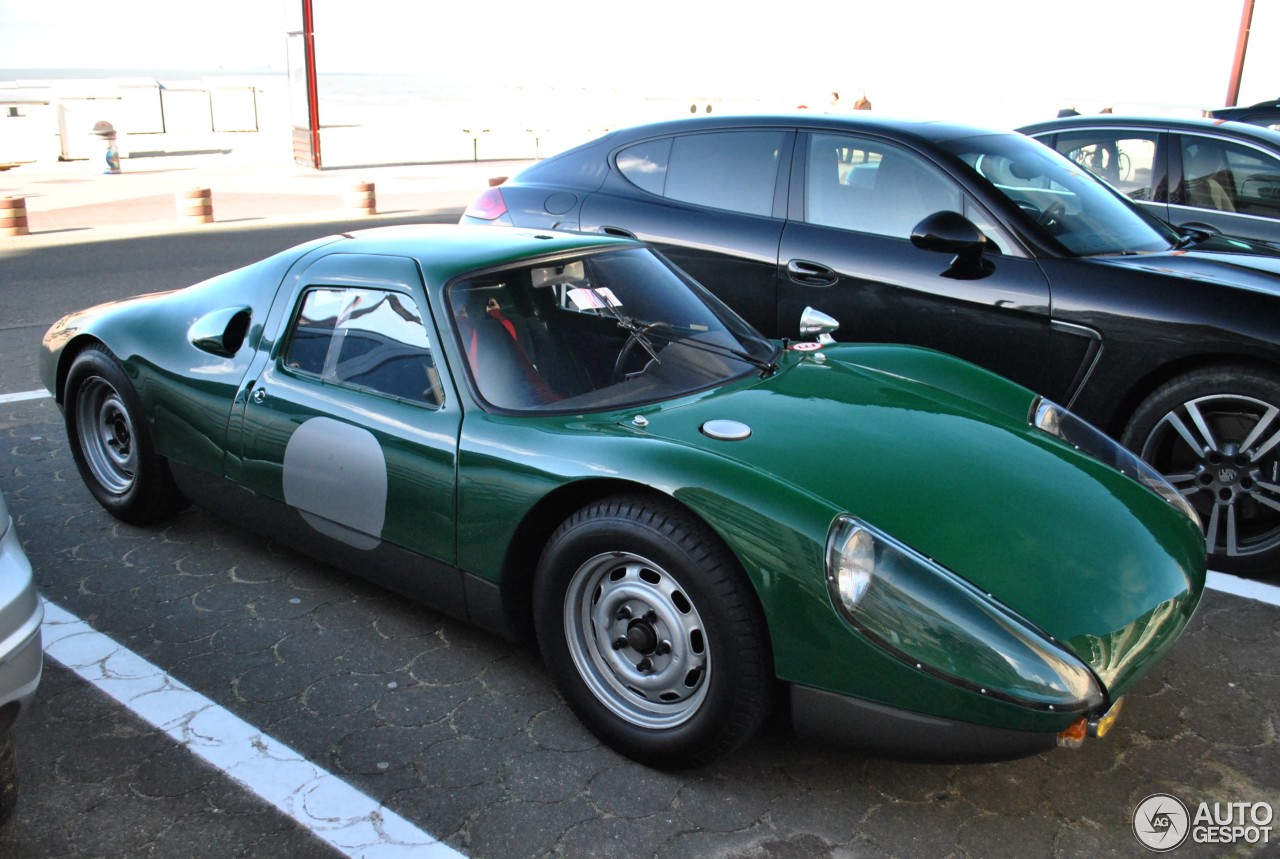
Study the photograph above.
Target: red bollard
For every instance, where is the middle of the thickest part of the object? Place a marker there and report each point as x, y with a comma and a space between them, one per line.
195, 206
13, 216
362, 198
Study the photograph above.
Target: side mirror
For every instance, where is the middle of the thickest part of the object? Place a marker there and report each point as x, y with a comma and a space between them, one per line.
953, 233
1198, 231
816, 322
221, 332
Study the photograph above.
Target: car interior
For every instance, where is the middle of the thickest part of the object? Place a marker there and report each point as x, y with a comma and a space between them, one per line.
582, 334
1207, 177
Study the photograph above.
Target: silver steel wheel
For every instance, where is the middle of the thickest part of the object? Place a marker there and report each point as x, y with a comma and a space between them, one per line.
637, 640
106, 435
1223, 453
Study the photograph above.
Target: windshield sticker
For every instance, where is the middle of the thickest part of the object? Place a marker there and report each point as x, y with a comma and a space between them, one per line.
593, 299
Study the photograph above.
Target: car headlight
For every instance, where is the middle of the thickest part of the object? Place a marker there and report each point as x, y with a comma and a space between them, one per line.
935, 621
1053, 419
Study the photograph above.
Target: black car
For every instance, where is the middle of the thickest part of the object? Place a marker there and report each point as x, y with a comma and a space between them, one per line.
1192, 173
980, 243
1265, 113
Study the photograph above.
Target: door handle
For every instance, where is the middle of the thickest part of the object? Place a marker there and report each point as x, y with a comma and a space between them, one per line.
811, 273
617, 231
259, 395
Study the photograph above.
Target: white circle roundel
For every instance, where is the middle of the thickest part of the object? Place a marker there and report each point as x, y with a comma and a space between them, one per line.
335, 474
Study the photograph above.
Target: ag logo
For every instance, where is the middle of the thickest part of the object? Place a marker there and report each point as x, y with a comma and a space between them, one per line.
1161, 822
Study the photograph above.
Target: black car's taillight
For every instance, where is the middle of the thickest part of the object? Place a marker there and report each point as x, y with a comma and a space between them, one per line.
489, 206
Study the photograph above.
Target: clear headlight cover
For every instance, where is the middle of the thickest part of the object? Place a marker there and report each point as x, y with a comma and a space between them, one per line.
926, 616
1053, 419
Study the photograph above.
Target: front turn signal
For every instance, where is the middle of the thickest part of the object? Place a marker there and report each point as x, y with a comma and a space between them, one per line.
1073, 736
1100, 726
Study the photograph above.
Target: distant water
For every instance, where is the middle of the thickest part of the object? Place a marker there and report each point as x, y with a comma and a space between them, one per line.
407, 118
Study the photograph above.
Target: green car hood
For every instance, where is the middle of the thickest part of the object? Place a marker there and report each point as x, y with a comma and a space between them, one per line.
941, 455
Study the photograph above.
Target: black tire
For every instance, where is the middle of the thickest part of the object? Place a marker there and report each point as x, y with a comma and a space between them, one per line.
111, 442
8, 776
1215, 434
691, 675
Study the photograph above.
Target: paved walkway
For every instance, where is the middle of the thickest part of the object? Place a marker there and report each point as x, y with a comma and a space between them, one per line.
74, 196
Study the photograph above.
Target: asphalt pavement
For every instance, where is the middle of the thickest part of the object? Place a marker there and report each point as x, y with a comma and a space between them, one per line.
455, 731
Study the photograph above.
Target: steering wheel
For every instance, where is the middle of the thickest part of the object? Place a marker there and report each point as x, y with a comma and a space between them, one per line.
624, 354
1051, 213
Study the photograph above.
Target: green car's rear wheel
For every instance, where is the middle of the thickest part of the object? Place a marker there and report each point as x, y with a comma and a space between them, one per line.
106, 435
111, 443
652, 632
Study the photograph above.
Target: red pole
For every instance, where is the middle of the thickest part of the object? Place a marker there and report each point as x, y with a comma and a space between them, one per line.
313, 92
1237, 66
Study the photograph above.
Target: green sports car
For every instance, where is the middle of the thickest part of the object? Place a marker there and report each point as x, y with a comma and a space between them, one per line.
562, 438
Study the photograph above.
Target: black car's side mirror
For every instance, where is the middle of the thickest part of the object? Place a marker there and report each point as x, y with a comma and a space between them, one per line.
1197, 231
953, 233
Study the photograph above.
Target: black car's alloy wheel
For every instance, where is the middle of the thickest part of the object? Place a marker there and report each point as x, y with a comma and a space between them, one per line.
652, 632
1215, 435
111, 444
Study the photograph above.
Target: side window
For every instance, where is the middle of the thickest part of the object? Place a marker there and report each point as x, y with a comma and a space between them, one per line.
365, 338
733, 170
872, 187
1125, 159
1230, 177
645, 164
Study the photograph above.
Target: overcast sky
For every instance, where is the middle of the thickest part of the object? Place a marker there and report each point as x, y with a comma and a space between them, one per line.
982, 58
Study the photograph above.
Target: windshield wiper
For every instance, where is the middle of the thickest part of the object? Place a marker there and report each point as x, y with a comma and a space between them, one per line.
626, 323
642, 330
673, 334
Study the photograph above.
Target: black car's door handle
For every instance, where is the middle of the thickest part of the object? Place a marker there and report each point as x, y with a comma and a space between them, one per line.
811, 273
617, 231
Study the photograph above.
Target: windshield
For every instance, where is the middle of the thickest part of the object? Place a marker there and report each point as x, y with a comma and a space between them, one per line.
1062, 198
600, 330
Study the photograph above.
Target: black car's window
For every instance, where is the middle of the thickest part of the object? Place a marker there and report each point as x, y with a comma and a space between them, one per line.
599, 331
1125, 158
1229, 177
645, 164
367, 338
733, 170
866, 185
1059, 197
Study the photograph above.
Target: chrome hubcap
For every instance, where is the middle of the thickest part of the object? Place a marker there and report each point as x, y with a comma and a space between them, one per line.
1223, 453
106, 436
637, 640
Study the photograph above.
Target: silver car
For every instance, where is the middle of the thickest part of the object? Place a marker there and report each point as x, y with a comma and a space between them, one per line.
1196, 174
21, 654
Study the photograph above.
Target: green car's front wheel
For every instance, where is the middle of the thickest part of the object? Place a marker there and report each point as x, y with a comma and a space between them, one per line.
652, 632
111, 444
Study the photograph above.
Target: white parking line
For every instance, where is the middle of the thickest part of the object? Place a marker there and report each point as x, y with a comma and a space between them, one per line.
1244, 588
332, 810
24, 395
